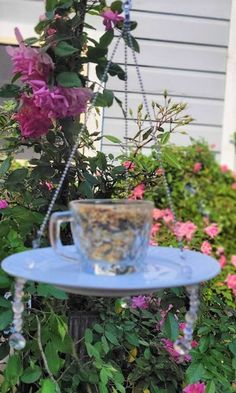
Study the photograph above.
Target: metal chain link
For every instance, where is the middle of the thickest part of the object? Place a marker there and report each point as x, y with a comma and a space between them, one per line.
37, 240
126, 8
158, 147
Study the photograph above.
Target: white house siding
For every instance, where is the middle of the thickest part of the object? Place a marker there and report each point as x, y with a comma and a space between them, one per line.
183, 50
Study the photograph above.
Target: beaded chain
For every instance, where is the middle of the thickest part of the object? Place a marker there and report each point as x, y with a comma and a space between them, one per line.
182, 345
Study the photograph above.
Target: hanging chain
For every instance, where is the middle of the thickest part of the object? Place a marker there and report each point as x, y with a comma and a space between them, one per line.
36, 242
158, 147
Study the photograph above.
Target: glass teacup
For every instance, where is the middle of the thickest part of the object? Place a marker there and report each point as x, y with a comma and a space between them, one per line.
110, 236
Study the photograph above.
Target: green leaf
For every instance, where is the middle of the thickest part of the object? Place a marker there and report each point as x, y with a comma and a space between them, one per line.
9, 91
50, 5
234, 363
102, 388
5, 281
106, 38
104, 376
5, 166
14, 368
54, 362
211, 387
232, 347
195, 372
69, 79
31, 374
112, 138
98, 328
117, 6
132, 43
5, 303
105, 345
94, 53
17, 176
64, 49
165, 137
47, 290
171, 327
110, 336
88, 336
101, 161
48, 387
92, 351
85, 189
5, 319
171, 160
104, 99
132, 339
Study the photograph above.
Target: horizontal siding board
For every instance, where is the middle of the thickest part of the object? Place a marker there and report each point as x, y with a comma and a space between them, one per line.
204, 8
211, 134
203, 111
174, 55
182, 83
181, 29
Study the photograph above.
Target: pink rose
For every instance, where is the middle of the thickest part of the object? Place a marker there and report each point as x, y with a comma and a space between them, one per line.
233, 260
111, 18
231, 281
3, 204
224, 168
233, 186
129, 165
206, 248
197, 167
212, 230
157, 214
220, 250
195, 388
168, 216
138, 192
185, 230
155, 229
222, 261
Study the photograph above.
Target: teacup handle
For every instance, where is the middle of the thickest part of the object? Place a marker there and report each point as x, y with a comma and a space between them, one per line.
56, 220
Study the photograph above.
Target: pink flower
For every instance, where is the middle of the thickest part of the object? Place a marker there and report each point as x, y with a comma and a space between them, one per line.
155, 229
222, 261
60, 102
129, 165
220, 250
111, 18
141, 302
206, 248
49, 185
169, 347
157, 214
197, 167
233, 260
182, 326
233, 186
152, 242
31, 63
51, 31
212, 230
185, 230
3, 204
168, 216
33, 121
195, 388
138, 192
224, 168
231, 281
159, 171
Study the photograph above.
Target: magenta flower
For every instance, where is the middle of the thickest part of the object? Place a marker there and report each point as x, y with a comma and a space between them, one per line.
155, 229
206, 248
233, 260
212, 230
60, 102
169, 347
129, 165
33, 121
141, 302
31, 63
111, 18
197, 167
195, 388
3, 204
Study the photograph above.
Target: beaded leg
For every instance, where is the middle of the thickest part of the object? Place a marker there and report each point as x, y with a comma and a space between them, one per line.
184, 344
16, 340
